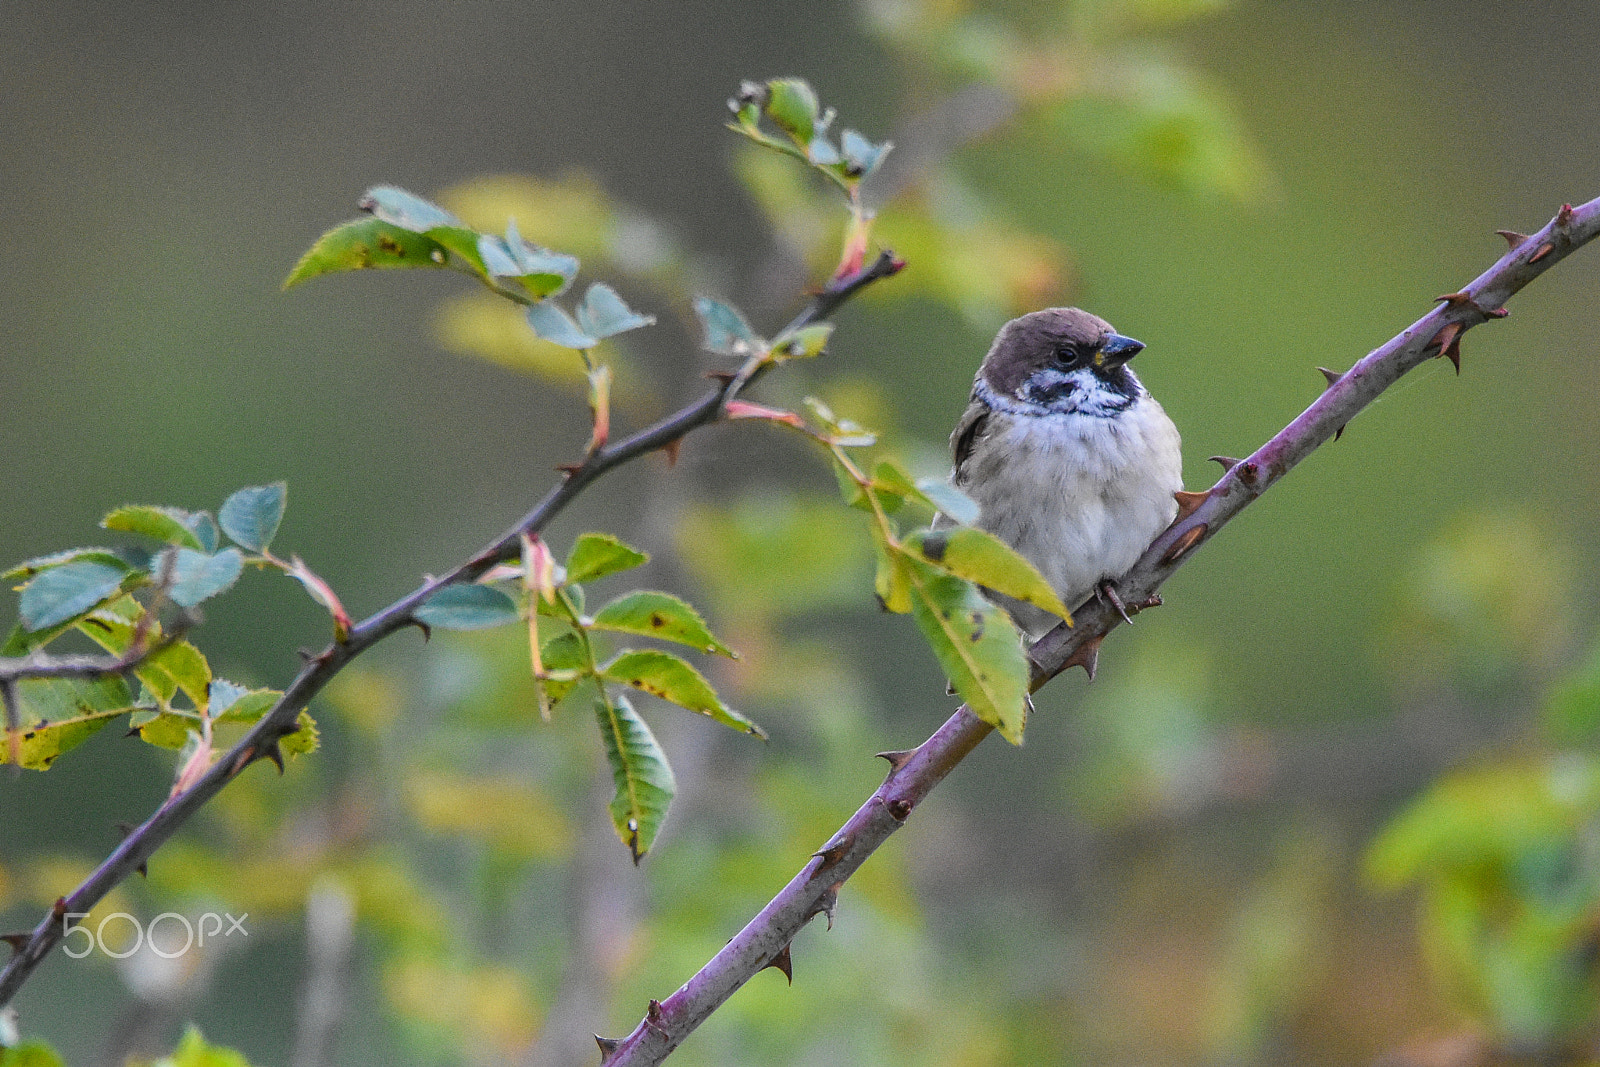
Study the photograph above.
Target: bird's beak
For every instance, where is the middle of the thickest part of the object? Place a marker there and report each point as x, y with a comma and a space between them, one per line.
1117, 350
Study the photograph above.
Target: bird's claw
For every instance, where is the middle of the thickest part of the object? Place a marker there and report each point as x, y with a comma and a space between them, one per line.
1107, 592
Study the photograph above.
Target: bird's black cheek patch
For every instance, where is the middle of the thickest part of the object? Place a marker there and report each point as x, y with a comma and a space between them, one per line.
934, 545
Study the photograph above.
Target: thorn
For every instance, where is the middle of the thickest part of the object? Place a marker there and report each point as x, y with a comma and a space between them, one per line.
1564, 217
721, 376
833, 853
427, 631
1513, 238
1455, 300
1333, 376
1226, 462
608, 1045
1107, 592
1449, 341
1187, 502
272, 752
1248, 472
18, 942
825, 905
59, 908
1497, 313
1339, 432
1183, 544
1544, 250
569, 469
306, 655
1152, 601
671, 448
1087, 656
653, 1012
900, 808
783, 961
897, 758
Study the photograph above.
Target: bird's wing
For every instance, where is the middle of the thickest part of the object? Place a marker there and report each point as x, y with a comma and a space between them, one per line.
967, 433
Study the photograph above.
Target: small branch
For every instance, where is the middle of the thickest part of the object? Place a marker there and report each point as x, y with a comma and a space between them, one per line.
262, 740
815, 889
38, 665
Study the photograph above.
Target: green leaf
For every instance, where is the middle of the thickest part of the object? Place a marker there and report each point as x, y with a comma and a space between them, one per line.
980, 557
204, 528
306, 738
233, 703
861, 156
662, 615
841, 432
595, 555
251, 516
604, 314
557, 327
405, 210
195, 1051
727, 332
59, 714
542, 272
892, 582
67, 591
30, 1054
644, 781
366, 244
951, 502
31, 567
888, 478
666, 676
467, 607
197, 576
169, 525
40, 746
167, 729
976, 644
539, 271
804, 343
565, 661
792, 105
181, 666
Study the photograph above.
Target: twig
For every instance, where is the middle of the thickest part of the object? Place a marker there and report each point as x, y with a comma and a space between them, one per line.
912, 774
262, 740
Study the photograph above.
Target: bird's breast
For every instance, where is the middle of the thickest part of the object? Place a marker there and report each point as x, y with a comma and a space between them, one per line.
1080, 496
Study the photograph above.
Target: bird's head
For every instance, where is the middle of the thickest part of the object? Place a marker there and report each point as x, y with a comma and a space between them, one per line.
1063, 361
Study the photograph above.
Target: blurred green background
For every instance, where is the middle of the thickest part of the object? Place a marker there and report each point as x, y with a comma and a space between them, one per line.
1170, 871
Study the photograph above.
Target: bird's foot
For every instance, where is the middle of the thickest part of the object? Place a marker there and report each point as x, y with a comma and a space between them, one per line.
1107, 593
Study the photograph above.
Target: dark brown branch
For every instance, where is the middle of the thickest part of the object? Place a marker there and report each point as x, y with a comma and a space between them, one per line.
262, 740
816, 887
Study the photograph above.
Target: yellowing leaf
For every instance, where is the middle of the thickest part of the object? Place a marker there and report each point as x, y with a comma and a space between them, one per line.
982, 558
666, 676
975, 643
653, 614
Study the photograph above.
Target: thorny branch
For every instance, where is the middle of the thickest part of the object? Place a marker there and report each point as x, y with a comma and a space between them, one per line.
765, 940
262, 740
140, 649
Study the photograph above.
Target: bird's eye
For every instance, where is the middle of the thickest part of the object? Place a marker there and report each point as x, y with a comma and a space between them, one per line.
1066, 355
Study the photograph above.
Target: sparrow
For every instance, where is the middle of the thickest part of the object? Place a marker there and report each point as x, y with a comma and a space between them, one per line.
1070, 460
